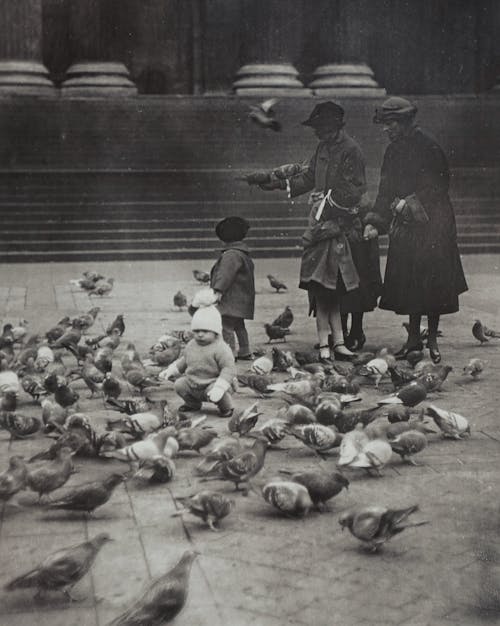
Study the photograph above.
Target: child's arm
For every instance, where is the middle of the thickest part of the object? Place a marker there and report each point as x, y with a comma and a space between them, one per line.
174, 370
227, 372
226, 272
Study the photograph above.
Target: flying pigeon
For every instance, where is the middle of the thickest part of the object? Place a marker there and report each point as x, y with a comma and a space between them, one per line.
263, 114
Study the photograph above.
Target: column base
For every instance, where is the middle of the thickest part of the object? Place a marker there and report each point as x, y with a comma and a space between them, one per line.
269, 79
97, 79
25, 78
346, 80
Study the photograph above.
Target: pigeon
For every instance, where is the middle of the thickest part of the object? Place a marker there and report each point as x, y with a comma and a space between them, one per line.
242, 422
489, 332
86, 320
257, 382
13, 479
50, 476
407, 444
211, 506
374, 455
327, 411
410, 395
20, 426
439, 375
244, 466
401, 376
129, 406
263, 114
262, 365
164, 598
111, 386
61, 570
414, 356
347, 419
102, 287
201, 277
117, 323
478, 332
59, 329
223, 449
452, 425
276, 283
88, 281
33, 386
276, 332
321, 485
180, 300
297, 414
88, 496
142, 451
274, 430
375, 525
195, 438
140, 379
289, 497
284, 319
376, 369
8, 402
65, 396
282, 361
317, 437
474, 367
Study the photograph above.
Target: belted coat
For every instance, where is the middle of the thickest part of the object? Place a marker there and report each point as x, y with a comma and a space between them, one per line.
423, 272
333, 243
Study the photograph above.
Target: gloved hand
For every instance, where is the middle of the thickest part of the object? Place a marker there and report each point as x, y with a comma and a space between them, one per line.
370, 232
170, 373
219, 388
273, 183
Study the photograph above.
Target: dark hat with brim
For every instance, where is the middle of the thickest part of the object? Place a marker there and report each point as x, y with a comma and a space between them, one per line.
324, 113
394, 108
232, 228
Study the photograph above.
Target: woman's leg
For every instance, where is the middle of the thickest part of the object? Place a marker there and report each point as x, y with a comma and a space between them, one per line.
322, 327
413, 342
335, 323
433, 324
228, 327
345, 317
356, 338
243, 340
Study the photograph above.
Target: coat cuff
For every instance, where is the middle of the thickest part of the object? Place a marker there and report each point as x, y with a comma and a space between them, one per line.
375, 220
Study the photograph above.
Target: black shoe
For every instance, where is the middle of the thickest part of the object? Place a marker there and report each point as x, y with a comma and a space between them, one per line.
435, 354
247, 357
355, 342
185, 408
340, 356
227, 413
403, 352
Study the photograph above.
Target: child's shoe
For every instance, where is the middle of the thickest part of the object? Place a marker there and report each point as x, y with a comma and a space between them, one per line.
226, 413
185, 408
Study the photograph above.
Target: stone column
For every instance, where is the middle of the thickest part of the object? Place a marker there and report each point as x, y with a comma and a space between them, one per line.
21, 70
343, 36
95, 49
270, 35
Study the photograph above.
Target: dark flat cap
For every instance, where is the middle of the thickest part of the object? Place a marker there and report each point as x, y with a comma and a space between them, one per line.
325, 112
394, 108
232, 228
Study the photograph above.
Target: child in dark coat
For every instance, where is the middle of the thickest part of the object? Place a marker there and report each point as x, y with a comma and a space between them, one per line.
232, 279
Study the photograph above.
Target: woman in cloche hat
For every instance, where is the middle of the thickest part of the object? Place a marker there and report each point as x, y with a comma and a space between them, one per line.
424, 274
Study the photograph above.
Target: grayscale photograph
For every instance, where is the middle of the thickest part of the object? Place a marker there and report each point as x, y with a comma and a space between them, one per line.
250, 312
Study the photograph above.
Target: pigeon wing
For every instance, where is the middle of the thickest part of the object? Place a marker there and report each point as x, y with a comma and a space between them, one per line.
367, 523
268, 105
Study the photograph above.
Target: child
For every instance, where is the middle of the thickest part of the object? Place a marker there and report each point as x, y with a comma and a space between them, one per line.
207, 368
232, 279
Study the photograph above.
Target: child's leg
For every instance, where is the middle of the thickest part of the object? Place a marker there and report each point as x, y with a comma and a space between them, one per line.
242, 336
228, 327
225, 405
335, 322
189, 395
322, 327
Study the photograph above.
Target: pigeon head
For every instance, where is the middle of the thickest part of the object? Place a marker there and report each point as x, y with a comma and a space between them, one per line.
115, 479
100, 539
346, 519
16, 462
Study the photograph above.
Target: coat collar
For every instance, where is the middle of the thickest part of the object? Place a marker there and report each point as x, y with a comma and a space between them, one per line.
236, 245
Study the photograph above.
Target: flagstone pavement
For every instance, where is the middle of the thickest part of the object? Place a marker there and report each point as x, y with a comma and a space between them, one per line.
261, 568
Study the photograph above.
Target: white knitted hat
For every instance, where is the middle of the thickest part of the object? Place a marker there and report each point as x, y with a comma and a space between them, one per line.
207, 318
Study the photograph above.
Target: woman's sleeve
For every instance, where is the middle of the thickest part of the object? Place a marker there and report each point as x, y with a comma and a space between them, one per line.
381, 215
351, 184
433, 178
302, 183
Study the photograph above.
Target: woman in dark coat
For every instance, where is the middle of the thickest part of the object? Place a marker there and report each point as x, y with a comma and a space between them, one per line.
334, 268
424, 274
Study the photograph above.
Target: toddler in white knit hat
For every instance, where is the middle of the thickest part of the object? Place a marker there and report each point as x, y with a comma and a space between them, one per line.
206, 369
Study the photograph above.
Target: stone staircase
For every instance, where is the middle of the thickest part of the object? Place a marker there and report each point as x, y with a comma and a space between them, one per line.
147, 178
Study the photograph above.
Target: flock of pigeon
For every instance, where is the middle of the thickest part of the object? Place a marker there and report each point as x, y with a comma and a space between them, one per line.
319, 409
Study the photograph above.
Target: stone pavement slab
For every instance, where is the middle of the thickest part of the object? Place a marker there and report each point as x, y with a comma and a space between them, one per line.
262, 568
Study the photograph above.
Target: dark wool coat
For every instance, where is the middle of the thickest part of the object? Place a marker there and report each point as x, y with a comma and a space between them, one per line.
233, 276
424, 272
339, 166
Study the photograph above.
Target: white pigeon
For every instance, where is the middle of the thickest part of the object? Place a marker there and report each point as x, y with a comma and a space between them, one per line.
451, 424
374, 455
351, 445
